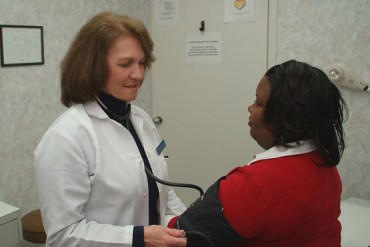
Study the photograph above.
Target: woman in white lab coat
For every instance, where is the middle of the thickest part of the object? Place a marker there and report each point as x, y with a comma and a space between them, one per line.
90, 163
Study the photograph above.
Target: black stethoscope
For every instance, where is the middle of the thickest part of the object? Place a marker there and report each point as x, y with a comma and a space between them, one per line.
123, 119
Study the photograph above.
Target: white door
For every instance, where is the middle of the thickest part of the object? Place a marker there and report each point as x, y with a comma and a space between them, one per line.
204, 105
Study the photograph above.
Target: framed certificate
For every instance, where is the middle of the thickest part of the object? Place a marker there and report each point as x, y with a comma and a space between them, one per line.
21, 45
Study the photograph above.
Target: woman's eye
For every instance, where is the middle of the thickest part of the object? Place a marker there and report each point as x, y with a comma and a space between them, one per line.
257, 103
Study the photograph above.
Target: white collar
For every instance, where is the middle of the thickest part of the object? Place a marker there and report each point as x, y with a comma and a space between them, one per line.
302, 147
93, 109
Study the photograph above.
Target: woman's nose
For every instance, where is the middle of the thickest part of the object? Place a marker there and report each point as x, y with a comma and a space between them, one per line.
250, 108
138, 72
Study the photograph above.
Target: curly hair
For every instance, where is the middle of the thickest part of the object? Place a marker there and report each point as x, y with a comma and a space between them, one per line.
305, 104
84, 68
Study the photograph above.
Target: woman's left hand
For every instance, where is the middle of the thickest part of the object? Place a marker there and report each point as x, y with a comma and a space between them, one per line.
161, 236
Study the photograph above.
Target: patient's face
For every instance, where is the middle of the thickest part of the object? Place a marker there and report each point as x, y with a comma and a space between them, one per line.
259, 131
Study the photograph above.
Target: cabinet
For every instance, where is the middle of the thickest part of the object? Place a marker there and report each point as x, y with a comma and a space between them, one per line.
355, 220
10, 225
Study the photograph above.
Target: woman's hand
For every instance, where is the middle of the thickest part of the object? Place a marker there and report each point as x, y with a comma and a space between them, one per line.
161, 236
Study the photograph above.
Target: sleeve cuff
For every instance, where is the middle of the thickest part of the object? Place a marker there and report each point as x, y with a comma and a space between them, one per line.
138, 236
172, 222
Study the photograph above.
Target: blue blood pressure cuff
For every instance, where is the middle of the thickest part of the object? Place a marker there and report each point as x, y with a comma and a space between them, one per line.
205, 224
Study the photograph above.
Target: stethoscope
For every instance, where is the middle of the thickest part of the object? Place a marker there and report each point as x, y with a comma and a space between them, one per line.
123, 119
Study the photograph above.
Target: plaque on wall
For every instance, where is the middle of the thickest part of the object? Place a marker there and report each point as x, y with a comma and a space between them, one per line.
21, 45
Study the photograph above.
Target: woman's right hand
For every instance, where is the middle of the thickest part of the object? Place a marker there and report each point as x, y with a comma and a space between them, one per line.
161, 236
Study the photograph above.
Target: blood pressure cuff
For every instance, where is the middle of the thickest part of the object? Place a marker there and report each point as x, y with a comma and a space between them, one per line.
205, 224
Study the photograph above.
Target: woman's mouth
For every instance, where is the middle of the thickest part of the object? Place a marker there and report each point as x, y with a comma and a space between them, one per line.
132, 86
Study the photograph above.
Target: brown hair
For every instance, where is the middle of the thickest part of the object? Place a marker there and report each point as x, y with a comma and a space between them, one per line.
84, 68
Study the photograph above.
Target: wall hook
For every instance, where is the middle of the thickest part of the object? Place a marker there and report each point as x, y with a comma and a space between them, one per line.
202, 26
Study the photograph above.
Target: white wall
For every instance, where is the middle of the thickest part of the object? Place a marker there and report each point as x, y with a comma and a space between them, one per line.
318, 32
30, 94
324, 32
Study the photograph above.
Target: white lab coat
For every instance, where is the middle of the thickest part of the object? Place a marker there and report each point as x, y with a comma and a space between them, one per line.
92, 184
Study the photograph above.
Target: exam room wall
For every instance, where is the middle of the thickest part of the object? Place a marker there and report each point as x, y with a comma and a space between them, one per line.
326, 32
30, 94
318, 32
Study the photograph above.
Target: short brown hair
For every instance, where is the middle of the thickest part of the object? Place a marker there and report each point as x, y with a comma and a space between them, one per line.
84, 68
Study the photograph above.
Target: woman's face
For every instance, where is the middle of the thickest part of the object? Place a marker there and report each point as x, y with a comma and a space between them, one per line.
259, 131
125, 61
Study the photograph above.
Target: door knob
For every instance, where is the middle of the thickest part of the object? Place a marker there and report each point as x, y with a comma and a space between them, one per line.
158, 120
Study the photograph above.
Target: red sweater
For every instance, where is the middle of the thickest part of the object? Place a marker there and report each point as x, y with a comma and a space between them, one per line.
284, 201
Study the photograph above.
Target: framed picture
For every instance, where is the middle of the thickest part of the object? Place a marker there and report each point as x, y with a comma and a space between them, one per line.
21, 45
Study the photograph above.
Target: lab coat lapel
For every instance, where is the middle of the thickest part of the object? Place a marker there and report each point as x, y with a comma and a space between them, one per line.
93, 109
137, 122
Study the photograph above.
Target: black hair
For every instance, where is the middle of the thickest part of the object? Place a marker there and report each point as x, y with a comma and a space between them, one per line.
305, 104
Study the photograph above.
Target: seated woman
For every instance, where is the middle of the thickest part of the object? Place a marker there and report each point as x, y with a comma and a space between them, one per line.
289, 195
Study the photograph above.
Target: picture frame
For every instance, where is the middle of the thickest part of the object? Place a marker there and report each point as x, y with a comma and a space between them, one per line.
21, 45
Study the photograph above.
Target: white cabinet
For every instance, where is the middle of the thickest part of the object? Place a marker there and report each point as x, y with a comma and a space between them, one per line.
10, 225
355, 219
